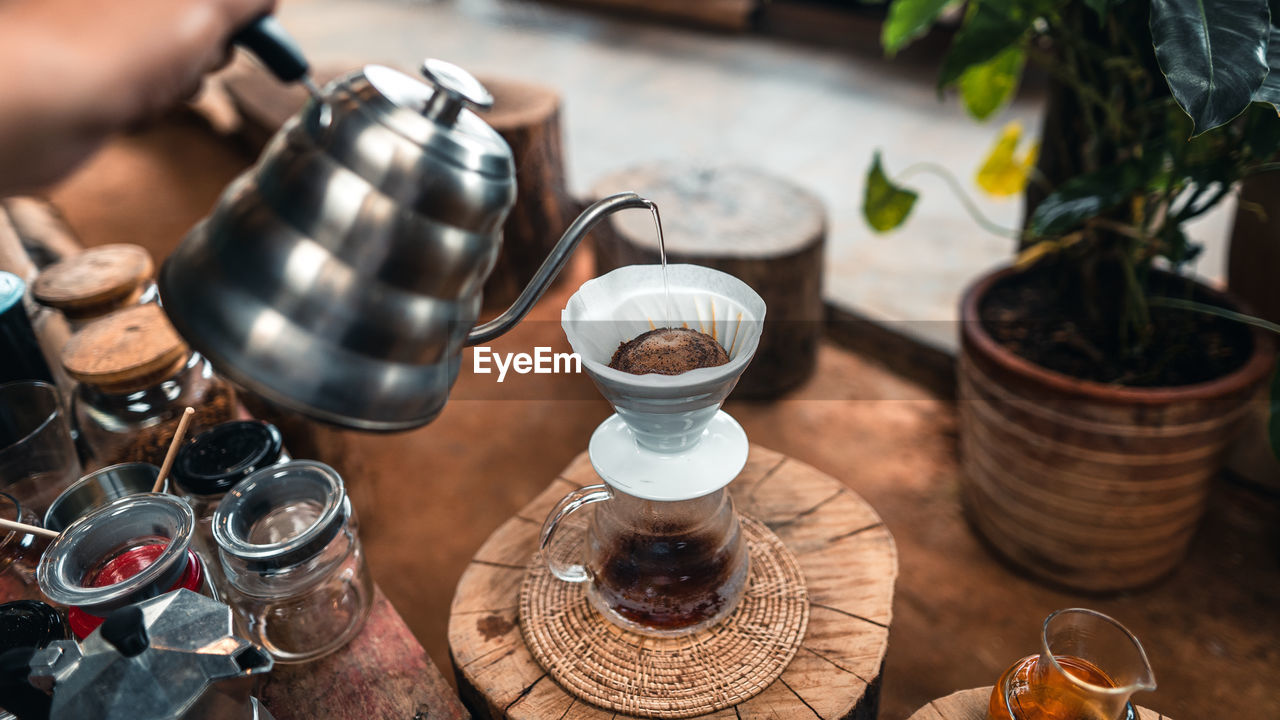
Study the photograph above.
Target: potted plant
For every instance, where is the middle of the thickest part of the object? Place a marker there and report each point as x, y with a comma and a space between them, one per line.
1098, 385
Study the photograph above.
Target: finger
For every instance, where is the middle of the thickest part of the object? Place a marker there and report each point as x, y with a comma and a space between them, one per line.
223, 60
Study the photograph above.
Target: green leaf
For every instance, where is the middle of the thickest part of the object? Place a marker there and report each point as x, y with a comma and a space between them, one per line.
886, 205
989, 28
1085, 196
1273, 423
1213, 53
908, 20
986, 87
1269, 91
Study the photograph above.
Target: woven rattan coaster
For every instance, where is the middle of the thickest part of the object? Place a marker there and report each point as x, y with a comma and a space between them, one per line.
668, 677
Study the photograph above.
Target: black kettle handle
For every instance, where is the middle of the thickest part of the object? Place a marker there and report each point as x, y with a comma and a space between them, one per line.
267, 39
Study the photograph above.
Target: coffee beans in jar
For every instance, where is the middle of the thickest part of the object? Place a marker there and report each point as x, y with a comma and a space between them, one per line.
136, 376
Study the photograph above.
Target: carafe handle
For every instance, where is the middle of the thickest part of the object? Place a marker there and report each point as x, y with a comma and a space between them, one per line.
575, 572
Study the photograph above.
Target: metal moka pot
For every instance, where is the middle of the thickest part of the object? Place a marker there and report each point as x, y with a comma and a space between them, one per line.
173, 657
341, 276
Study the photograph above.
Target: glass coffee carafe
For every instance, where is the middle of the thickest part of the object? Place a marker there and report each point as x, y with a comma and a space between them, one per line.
1088, 667
655, 567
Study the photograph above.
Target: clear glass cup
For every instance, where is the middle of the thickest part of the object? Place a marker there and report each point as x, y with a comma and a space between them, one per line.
38, 459
296, 577
19, 553
664, 568
1088, 667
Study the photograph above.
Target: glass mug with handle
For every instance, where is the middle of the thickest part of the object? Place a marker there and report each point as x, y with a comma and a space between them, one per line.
664, 568
1087, 668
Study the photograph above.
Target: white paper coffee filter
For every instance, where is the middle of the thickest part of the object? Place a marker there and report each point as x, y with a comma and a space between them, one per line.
631, 300
669, 439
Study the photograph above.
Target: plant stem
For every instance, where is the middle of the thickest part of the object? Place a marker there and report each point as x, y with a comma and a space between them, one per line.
1180, 304
958, 190
1262, 168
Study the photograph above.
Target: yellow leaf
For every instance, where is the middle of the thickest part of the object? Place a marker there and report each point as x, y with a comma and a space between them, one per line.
1004, 173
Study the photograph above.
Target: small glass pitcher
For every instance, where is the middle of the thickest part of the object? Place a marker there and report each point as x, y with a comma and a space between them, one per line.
1088, 667
663, 568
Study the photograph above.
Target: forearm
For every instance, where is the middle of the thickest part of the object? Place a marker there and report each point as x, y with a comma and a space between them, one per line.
73, 72
52, 114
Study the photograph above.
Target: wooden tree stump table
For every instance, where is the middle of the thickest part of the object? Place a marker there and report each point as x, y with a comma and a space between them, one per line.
847, 555
972, 705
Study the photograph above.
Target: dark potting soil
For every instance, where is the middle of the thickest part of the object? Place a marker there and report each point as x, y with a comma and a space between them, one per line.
1038, 316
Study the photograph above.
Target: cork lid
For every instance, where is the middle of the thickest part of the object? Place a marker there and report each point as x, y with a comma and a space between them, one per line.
125, 351
95, 281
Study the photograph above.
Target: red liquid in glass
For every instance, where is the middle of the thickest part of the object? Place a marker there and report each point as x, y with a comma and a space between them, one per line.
123, 566
126, 565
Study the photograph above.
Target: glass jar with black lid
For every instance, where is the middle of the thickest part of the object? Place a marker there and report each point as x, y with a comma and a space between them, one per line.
30, 623
217, 460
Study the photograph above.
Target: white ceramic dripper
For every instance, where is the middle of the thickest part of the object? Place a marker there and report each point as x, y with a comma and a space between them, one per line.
669, 439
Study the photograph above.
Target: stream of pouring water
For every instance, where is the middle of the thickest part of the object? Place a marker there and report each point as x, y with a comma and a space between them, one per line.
662, 256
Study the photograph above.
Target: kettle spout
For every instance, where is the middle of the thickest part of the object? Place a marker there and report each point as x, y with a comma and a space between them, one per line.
554, 263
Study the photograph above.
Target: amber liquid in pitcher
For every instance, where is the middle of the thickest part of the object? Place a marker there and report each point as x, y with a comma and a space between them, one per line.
665, 582
1025, 694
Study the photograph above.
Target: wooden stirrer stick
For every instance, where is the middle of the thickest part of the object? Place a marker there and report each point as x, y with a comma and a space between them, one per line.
174, 444
29, 529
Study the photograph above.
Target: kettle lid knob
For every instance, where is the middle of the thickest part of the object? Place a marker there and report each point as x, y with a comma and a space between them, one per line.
454, 87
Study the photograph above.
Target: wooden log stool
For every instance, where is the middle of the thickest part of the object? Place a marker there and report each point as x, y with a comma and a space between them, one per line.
972, 705
846, 554
765, 231
527, 116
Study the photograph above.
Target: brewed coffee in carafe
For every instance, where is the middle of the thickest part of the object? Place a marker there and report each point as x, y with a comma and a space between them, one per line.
667, 566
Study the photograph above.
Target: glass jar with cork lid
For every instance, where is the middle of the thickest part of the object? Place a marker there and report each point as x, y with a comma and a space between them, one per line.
97, 282
136, 376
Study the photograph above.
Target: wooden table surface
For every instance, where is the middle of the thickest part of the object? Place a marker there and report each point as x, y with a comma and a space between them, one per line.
847, 555
972, 705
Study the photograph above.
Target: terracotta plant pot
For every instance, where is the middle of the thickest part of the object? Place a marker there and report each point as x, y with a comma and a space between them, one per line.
1086, 485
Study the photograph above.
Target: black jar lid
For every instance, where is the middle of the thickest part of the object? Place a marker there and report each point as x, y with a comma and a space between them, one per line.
220, 457
29, 623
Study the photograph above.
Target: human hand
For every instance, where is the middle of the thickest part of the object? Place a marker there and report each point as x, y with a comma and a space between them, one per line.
72, 72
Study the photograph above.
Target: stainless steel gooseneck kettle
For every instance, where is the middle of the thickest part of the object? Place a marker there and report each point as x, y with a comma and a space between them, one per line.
341, 275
